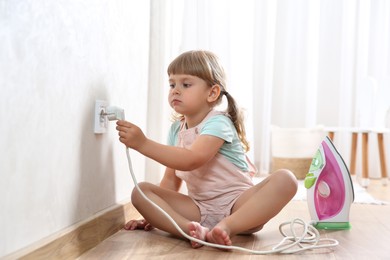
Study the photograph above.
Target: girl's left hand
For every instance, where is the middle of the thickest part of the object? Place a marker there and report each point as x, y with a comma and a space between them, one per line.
130, 134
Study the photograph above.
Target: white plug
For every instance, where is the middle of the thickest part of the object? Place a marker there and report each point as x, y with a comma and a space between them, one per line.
103, 113
114, 113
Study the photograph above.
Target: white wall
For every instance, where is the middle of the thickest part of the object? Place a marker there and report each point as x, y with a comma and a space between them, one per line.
56, 58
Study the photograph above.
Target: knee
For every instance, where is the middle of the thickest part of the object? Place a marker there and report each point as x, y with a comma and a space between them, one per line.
287, 182
136, 197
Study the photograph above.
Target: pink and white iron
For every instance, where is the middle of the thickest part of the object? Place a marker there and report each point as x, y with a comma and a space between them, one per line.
329, 188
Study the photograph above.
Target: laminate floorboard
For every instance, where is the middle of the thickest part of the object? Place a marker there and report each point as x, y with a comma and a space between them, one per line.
369, 237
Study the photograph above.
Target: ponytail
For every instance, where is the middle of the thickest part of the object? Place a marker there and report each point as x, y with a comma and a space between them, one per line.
237, 118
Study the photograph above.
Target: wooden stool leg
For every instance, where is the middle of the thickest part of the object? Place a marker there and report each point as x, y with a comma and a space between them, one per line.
352, 167
331, 135
365, 155
382, 155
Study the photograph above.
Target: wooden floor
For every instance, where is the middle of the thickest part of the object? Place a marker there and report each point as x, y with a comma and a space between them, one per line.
368, 238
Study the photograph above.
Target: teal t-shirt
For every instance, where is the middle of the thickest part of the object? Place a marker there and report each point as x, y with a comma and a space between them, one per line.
222, 127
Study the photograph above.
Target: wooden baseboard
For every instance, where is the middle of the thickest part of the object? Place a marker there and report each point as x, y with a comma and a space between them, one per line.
79, 238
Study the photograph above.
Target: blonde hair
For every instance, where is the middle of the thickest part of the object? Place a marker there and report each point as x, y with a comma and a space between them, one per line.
206, 65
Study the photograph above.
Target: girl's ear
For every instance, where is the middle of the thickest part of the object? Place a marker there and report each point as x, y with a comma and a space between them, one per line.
214, 93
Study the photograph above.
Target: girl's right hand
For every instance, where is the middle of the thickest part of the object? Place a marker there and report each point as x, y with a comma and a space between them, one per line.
138, 224
130, 134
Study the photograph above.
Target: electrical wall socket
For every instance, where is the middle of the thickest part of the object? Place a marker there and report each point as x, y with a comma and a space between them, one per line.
100, 120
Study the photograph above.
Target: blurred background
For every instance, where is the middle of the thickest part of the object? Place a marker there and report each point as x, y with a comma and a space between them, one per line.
291, 65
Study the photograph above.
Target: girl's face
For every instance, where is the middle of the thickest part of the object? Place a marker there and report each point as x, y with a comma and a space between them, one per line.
188, 94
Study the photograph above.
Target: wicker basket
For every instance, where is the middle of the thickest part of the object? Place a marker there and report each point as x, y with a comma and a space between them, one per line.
299, 166
294, 148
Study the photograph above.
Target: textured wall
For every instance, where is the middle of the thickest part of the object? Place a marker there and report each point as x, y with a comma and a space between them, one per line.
56, 58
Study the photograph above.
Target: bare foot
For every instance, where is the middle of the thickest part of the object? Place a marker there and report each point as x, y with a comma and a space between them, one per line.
218, 236
197, 231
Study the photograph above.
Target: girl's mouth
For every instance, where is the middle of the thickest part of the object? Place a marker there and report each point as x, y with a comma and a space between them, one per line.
175, 102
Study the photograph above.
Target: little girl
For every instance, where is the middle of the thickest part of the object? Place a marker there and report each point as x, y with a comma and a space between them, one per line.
206, 150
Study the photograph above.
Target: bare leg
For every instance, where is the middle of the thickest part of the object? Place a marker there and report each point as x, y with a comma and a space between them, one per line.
180, 207
255, 207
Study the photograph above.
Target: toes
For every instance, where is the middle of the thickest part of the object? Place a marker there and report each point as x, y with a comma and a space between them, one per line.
195, 230
219, 236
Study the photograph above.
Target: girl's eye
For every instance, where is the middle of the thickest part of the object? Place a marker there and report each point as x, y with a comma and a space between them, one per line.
184, 85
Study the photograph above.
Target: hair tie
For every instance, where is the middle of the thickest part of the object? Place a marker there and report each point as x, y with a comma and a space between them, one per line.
225, 93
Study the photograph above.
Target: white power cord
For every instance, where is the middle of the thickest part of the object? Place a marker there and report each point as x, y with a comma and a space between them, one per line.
312, 241
308, 239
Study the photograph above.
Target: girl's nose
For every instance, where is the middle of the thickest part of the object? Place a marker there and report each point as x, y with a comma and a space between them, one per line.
175, 90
